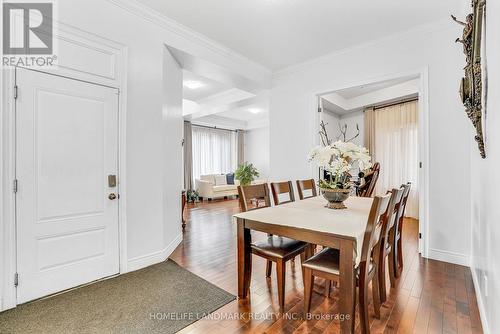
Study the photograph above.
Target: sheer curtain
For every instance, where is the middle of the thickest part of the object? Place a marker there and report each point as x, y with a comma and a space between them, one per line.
213, 151
396, 142
188, 156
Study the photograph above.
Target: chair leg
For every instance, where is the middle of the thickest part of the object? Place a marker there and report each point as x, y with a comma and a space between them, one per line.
280, 274
399, 267
363, 307
302, 260
328, 285
376, 295
392, 268
381, 279
310, 250
269, 267
308, 287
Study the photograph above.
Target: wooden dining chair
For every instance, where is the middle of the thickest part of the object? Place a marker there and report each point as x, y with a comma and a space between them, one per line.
326, 263
395, 238
280, 188
274, 248
370, 178
304, 185
386, 246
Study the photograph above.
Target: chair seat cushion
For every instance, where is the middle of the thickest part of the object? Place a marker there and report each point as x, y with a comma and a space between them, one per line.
279, 247
328, 261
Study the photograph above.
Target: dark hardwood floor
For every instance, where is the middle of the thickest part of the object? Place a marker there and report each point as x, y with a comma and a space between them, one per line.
430, 296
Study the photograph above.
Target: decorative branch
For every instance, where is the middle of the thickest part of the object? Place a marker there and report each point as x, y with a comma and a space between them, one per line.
323, 134
343, 133
454, 18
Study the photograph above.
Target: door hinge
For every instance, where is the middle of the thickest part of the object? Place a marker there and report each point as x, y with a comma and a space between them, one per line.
420, 235
16, 279
420, 164
15, 92
14, 186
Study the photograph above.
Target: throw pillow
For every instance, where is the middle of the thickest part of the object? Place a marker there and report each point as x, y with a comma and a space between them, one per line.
220, 180
230, 178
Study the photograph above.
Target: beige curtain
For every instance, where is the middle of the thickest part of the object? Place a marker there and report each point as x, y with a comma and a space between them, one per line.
369, 124
240, 145
188, 156
396, 140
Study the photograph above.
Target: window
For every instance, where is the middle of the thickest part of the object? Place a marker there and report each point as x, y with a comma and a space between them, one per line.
214, 151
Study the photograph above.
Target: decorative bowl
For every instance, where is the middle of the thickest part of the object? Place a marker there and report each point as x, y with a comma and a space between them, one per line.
336, 197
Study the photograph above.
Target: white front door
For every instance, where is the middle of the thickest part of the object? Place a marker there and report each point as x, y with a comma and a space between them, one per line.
66, 146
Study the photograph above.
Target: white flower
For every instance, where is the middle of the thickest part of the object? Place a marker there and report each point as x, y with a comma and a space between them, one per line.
322, 156
340, 157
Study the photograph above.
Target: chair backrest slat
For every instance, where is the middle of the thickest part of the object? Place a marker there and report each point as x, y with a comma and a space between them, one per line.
279, 188
402, 207
390, 217
374, 228
303, 185
257, 193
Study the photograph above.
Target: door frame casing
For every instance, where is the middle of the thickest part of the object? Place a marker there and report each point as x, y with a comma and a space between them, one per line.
8, 237
423, 140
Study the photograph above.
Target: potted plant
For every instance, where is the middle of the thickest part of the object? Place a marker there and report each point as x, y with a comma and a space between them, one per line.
337, 160
192, 196
246, 173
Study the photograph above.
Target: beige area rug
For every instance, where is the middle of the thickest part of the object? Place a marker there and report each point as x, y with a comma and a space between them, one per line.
163, 298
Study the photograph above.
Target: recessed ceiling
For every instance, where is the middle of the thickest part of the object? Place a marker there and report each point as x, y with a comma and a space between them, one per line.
245, 113
334, 108
347, 101
352, 92
208, 88
280, 33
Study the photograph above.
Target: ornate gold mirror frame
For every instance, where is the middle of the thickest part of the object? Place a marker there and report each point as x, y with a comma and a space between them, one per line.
471, 87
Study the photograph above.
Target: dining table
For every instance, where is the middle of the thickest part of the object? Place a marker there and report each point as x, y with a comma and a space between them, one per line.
311, 221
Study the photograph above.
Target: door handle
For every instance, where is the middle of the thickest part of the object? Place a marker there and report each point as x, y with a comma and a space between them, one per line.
112, 196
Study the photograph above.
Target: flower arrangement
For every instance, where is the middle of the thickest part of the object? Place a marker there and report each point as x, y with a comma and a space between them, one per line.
337, 160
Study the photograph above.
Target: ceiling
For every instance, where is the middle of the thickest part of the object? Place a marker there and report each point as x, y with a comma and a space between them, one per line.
353, 92
209, 87
244, 114
353, 99
280, 33
211, 102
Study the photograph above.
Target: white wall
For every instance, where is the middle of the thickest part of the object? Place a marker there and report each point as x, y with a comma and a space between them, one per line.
173, 130
331, 123
292, 119
152, 206
485, 182
351, 120
257, 150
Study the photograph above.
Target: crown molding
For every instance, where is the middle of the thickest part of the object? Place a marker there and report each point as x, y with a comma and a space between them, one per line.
440, 25
155, 17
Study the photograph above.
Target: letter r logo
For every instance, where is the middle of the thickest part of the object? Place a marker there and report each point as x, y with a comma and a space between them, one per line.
27, 28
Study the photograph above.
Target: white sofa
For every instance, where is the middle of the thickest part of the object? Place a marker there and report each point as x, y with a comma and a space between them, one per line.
208, 187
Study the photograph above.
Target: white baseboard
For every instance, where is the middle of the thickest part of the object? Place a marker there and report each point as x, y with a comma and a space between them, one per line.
479, 299
153, 258
447, 256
